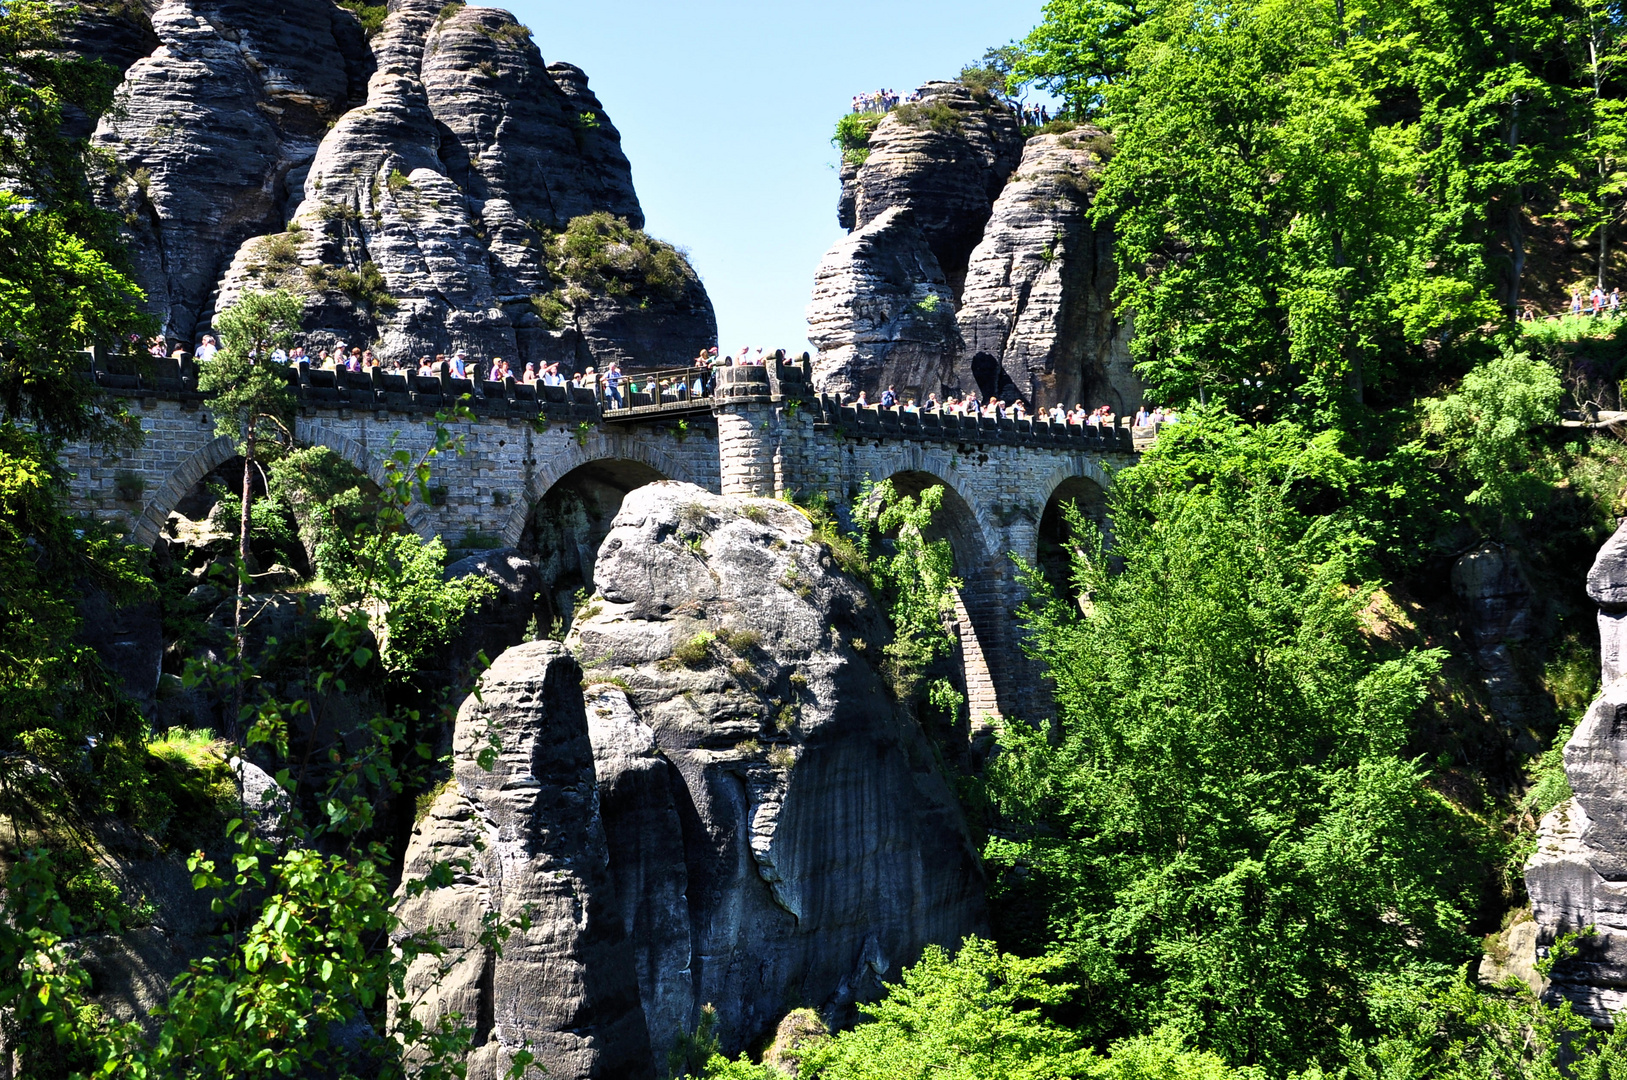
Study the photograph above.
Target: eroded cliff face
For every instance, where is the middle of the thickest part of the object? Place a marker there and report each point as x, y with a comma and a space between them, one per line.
759, 827
1577, 877
404, 186
1036, 316
1006, 223
881, 313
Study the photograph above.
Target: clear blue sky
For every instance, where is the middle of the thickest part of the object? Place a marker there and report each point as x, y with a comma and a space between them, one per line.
726, 109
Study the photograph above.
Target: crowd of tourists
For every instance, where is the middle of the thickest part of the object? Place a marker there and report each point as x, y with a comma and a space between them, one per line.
882, 101
615, 386
1034, 115
1596, 303
972, 405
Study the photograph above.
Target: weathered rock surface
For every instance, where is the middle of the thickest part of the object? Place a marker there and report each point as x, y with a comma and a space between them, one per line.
499, 621
531, 828
402, 185
881, 313
129, 640
1577, 876
1036, 315
1496, 610
208, 129
946, 158
821, 848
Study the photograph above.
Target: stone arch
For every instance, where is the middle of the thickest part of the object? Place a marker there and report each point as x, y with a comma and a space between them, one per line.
420, 518
937, 462
194, 467
985, 644
600, 446
1051, 536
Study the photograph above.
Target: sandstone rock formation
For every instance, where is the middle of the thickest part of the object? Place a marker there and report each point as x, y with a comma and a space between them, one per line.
779, 834
1036, 315
210, 128
402, 185
1006, 225
531, 829
1496, 606
946, 158
1577, 877
881, 313
739, 815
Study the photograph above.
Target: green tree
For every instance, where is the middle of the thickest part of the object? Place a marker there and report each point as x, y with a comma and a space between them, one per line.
1080, 48
1490, 426
253, 403
1220, 832
913, 573
63, 284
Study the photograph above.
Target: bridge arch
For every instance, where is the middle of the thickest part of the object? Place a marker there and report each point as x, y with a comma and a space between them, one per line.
1084, 484
984, 642
194, 467
599, 446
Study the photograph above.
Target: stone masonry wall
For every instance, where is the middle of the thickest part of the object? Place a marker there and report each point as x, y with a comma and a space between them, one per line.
764, 442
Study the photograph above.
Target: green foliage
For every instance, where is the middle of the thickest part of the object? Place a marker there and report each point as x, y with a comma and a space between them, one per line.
995, 75
55, 696
1080, 48
1487, 424
551, 309
600, 252
852, 136
914, 577
937, 115
981, 1014
1224, 791
63, 279
695, 651
371, 16
252, 400
1451, 1031
313, 942
366, 286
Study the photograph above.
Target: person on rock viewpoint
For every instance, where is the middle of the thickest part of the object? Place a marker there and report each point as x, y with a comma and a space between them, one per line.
889, 398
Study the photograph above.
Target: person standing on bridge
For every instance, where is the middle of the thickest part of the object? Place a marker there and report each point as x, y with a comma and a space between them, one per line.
612, 384
889, 398
206, 349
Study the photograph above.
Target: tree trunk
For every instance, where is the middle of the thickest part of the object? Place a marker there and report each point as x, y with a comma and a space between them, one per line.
1604, 250
242, 573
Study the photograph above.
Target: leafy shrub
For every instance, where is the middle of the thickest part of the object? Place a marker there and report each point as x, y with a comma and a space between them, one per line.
938, 116
551, 309
695, 651
449, 10
366, 287
603, 253
398, 181
782, 758
1490, 425
740, 641
279, 251
371, 16
852, 136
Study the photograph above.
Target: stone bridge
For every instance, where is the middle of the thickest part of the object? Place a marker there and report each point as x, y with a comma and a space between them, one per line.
546, 471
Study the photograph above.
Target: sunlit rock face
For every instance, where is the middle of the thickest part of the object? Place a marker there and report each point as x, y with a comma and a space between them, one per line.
404, 185
945, 158
779, 831
716, 802
881, 314
1036, 317
1577, 877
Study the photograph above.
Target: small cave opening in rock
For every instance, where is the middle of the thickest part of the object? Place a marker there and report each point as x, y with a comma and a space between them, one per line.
566, 527
1056, 542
